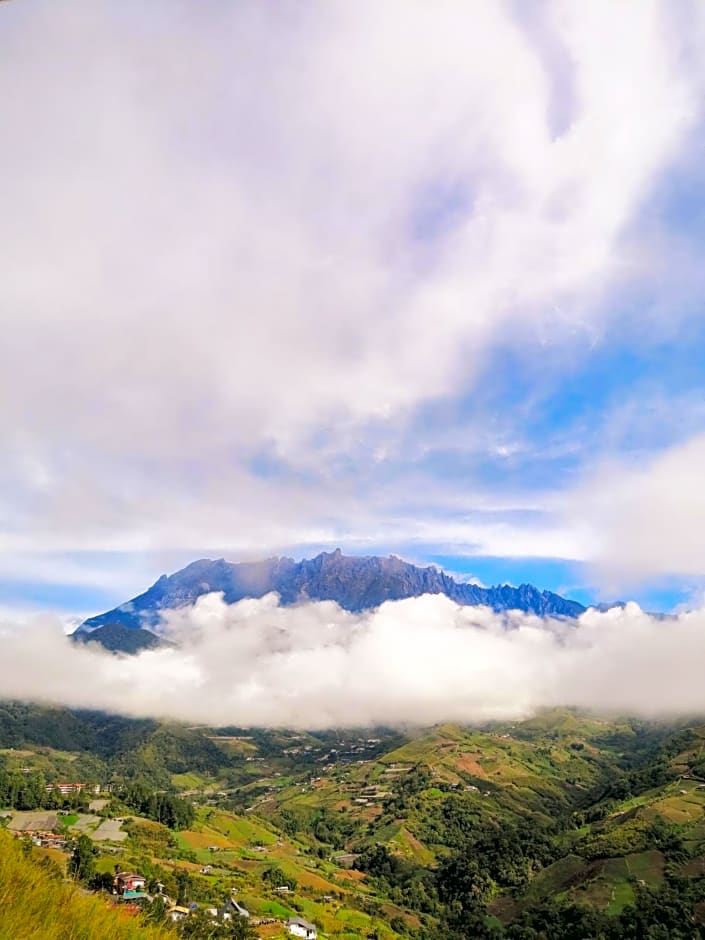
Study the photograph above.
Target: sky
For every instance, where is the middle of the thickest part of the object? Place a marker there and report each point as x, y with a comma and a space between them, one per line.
400, 277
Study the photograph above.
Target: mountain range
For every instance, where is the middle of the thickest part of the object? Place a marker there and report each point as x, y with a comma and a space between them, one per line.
356, 583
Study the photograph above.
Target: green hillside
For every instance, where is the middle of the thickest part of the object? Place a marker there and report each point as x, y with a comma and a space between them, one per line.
561, 826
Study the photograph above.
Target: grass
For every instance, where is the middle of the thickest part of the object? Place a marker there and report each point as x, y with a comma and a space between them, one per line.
37, 905
189, 781
240, 831
647, 866
622, 894
558, 877
201, 840
266, 907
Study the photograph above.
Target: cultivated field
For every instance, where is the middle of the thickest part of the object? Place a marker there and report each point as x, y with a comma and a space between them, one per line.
109, 831
28, 822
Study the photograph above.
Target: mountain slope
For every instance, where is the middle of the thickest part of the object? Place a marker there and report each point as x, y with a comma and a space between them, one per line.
119, 639
356, 583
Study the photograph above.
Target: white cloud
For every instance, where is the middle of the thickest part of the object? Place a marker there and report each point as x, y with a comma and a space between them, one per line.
645, 518
416, 661
217, 232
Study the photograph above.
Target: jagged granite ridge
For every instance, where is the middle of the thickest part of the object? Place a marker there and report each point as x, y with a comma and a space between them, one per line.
356, 583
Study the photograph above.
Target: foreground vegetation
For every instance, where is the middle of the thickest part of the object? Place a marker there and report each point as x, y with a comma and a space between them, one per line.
35, 901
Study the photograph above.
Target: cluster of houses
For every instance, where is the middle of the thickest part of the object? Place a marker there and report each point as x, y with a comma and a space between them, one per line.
43, 839
48, 840
67, 788
130, 886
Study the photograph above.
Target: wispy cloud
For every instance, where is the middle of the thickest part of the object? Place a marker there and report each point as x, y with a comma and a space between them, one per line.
645, 517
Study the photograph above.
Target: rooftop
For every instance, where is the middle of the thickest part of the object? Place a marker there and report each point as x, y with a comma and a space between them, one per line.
300, 922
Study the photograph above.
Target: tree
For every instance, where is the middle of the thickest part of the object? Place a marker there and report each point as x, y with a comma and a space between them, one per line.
275, 877
241, 929
165, 808
156, 911
464, 882
82, 861
102, 881
183, 885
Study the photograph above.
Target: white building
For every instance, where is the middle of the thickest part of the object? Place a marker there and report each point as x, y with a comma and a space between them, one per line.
66, 788
302, 928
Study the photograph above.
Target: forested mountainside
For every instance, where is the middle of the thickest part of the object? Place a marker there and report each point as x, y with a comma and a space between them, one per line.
119, 639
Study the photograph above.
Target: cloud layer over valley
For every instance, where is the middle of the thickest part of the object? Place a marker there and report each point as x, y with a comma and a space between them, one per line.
411, 662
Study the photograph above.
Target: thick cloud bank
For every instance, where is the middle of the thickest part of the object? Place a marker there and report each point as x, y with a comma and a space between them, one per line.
265, 266
415, 661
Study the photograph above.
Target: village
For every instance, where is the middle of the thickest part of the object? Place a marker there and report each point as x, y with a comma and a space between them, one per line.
57, 832
130, 888
229, 855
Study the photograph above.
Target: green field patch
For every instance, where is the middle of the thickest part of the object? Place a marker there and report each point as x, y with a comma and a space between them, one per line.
610, 889
305, 877
634, 802
411, 847
647, 867
105, 863
204, 856
239, 830
151, 837
615, 868
203, 838
266, 907
347, 922
350, 917
189, 781
598, 893
622, 894
676, 809
562, 875
201, 855
234, 745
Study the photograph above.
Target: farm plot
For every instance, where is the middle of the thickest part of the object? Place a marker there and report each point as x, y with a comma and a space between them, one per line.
109, 831
40, 821
85, 821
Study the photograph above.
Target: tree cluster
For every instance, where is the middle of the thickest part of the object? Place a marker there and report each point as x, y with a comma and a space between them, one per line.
165, 808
